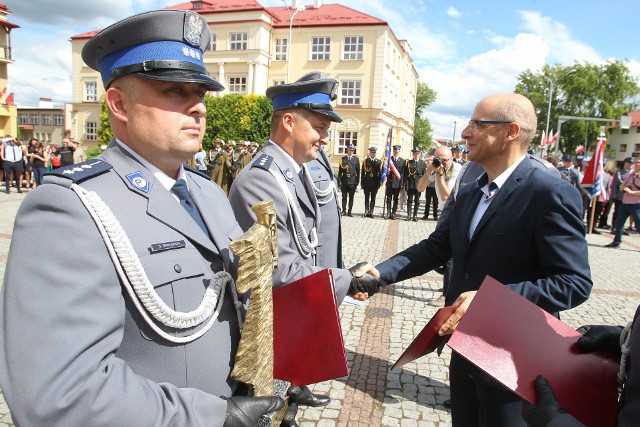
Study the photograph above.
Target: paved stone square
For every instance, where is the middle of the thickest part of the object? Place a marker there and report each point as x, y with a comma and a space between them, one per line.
376, 334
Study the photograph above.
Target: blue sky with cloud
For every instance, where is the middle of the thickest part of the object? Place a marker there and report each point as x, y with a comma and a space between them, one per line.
462, 49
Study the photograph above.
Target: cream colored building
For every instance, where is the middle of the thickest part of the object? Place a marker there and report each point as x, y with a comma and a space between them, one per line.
44, 122
623, 143
250, 52
8, 111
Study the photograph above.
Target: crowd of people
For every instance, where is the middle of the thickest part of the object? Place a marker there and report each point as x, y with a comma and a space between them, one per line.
23, 165
143, 327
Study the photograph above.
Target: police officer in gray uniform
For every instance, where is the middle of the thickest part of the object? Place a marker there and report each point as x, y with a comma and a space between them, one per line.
299, 127
329, 249
143, 326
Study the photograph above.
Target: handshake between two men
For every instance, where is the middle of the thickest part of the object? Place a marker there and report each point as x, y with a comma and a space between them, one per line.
364, 283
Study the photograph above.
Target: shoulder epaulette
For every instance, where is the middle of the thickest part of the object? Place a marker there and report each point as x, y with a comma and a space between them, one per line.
263, 162
82, 171
196, 171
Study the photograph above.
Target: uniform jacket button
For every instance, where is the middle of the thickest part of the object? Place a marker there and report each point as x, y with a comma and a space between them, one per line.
466, 275
177, 268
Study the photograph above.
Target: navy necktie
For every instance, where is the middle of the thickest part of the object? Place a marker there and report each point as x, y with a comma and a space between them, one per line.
180, 189
310, 192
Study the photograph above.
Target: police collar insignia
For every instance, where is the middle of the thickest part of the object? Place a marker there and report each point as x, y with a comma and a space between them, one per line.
193, 26
288, 174
138, 180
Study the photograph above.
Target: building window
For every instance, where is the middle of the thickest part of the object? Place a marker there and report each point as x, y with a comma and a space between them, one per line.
34, 119
46, 119
23, 118
623, 148
350, 92
237, 85
214, 42
353, 48
278, 82
282, 47
624, 131
238, 41
346, 138
90, 91
636, 147
91, 131
58, 120
320, 48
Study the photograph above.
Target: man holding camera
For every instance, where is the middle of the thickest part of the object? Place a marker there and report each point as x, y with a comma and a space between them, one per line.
443, 171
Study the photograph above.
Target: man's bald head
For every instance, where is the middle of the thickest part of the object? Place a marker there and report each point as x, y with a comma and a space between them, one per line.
443, 152
515, 108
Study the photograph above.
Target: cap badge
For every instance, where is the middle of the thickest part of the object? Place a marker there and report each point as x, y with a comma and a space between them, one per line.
193, 29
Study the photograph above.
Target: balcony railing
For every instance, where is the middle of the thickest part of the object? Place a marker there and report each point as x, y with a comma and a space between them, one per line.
5, 52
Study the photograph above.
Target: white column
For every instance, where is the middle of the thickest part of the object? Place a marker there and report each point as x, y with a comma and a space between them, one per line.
250, 88
221, 78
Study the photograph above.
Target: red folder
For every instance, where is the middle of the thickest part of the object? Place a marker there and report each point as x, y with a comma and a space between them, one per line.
428, 339
308, 346
513, 340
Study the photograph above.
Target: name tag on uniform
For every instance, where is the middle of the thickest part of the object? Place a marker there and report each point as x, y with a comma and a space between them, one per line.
159, 247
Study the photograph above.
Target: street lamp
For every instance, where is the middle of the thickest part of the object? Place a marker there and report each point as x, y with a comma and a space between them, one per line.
568, 73
300, 8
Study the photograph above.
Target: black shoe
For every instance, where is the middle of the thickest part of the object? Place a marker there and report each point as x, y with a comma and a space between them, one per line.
624, 233
19, 190
392, 216
303, 396
594, 231
605, 226
415, 218
425, 217
408, 218
349, 214
612, 245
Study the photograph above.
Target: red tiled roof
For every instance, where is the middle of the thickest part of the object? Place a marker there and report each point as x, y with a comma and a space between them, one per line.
219, 6
635, 119
327, 14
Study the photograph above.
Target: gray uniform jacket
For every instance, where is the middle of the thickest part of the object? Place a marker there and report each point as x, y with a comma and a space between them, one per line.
329, 250
256, 183
75, 351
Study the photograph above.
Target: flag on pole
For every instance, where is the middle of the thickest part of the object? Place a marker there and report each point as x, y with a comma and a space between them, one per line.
580, 149
387, 154
6, 97
543, 139
393, 169
551, 138
592, 180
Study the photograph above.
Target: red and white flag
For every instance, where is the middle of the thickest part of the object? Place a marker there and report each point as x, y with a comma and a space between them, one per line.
393, 170
6, 97
592, 179
543, 139
551, 138
580, 149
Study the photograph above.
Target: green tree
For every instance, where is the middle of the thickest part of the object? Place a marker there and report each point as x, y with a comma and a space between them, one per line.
422, 129
104, 130
582, 90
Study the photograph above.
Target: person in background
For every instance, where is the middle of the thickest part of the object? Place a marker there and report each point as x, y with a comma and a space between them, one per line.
630, 206
370, 181
200, 161
39, 160
394, 183
616, 193
79, 155
66, 153
413, 170
348, 176
12, 155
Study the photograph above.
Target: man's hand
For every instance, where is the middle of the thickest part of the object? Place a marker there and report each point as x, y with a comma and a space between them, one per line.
244, 411
452, 322
600, 337
365, 279
547, 408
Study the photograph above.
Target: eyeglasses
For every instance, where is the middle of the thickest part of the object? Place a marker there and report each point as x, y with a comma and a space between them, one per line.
473, 124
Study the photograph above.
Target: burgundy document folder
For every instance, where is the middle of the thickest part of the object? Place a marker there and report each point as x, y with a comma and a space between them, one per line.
513, 340
428, 339
308, 345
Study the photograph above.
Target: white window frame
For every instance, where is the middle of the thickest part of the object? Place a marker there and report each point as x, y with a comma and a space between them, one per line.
58, 119
351, 92
90, 91
237, 85
91, 131
46, 119
281, 51
346, 137
353, 48
214, 42
320, 51
238, 41
34, 118
23, 118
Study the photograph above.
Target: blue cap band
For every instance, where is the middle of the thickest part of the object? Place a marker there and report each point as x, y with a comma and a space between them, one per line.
287, 100
160, 50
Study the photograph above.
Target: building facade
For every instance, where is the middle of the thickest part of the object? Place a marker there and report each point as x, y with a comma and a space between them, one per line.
623, 143
255, 47
45, 122
8, 111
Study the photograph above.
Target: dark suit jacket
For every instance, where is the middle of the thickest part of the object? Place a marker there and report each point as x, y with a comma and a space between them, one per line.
531, 238
349, 171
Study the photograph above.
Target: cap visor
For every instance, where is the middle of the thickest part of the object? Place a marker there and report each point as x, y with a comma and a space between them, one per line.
182, 76
331, 114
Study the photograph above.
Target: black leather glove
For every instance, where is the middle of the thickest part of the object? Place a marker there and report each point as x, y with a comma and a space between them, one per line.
600, 337
367, 283
243, 411
547, 408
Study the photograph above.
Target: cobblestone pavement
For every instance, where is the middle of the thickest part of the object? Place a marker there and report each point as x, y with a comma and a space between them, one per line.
376, 334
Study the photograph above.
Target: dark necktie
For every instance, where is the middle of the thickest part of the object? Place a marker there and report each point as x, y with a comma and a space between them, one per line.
180, 189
